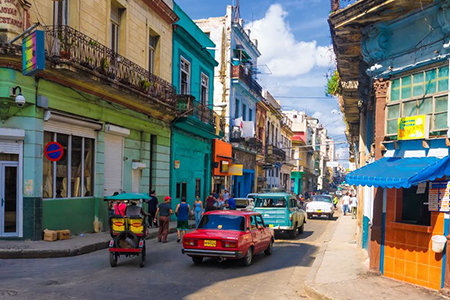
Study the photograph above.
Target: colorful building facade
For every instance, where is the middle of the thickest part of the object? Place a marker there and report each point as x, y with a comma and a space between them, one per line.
194, 131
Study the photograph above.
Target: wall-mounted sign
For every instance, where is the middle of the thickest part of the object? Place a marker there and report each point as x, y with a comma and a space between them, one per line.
54, 151
236, 170
176, 164
11, 16
33, 53
224, 166
438, 196
414, 128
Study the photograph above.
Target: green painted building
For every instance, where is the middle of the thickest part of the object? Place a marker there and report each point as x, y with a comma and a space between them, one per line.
194, 130
111, 117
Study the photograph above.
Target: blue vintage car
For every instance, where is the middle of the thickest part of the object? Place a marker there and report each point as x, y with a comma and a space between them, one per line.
282, 212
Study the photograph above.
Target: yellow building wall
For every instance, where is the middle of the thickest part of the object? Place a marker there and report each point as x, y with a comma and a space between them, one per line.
138, 20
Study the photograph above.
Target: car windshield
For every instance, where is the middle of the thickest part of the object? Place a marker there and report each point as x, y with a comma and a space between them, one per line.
322, 198
222, 222
271, 202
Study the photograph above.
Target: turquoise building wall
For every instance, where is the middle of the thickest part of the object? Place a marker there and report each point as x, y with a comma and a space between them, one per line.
191, 142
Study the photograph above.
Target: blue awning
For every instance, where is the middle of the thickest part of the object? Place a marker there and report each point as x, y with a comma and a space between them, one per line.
397, 172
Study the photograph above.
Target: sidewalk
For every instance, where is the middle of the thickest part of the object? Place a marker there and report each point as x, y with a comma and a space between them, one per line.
339, 273
77, 245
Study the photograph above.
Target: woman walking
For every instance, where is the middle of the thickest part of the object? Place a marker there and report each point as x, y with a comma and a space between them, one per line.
182, 211
220, 202
198, 209
164, 211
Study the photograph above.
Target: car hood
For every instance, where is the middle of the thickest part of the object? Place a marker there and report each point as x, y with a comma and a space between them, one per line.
318, 205
214, 234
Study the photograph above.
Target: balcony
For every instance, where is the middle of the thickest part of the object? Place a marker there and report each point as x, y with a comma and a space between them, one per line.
236, 135
67, 45
275, 153
242, 73
188, 106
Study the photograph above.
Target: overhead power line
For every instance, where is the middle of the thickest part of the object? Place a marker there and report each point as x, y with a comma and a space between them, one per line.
304, 97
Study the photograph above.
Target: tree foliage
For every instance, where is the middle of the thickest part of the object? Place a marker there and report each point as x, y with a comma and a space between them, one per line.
333, 85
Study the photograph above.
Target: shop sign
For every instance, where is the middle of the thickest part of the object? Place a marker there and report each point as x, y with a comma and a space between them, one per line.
176, 164
438, 196
11, 16
236, 170
224, 166
33, 53
413, 128
54, 151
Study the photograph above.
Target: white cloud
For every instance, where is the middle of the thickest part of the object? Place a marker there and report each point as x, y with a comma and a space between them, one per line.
280, 50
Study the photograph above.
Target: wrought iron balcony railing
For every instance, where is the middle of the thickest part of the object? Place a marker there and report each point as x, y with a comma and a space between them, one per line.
67, 43
188, 106
277, 152
246, 76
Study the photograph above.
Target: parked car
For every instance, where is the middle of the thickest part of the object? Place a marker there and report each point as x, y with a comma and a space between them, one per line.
339, 193
244, 203
282, 212
320, 205
229, 234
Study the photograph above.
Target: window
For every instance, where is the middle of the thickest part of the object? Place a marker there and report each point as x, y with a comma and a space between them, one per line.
250, 114
152, 161
184, 191
260, 221
115, 27
60, 13
185, 76
253, 223
204, 93
222, 222
178, 191
236, 111
423, 93
244, 112
73, 175
415, 207
152, 44
198, 187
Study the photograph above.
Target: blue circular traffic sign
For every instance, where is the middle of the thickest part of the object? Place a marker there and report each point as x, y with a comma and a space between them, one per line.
54, 151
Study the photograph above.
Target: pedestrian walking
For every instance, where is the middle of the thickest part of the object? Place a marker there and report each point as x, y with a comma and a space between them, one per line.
198, 210
220, 202
164, 211
226, 195
182, 212
210, 202
152, 207
345, 204
354, 206
335, 201
231, 203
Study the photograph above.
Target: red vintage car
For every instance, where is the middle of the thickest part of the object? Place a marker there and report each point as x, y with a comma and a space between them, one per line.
229, 234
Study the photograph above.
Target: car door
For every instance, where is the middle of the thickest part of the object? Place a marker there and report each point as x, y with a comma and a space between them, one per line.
265, 232
256, 234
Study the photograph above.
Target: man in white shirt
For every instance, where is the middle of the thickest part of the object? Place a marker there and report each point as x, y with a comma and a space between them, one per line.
354, 206
226, 195
345, 203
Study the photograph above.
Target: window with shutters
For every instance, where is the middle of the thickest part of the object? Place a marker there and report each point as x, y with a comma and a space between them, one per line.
115, 26
152, 46
204, 93
421, 93
185, 76
73, 175
60, 12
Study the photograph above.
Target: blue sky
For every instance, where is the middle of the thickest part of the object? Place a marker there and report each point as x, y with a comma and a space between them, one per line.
300, 58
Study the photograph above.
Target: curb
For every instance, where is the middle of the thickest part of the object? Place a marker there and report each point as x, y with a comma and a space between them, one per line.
309, 285
37, 253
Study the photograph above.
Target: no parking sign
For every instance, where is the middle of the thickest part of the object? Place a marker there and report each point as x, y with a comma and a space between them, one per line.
54, 151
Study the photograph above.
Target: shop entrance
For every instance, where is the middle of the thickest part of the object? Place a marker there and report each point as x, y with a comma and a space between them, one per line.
9, 198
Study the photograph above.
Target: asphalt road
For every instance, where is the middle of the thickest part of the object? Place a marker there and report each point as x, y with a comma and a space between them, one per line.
167, 275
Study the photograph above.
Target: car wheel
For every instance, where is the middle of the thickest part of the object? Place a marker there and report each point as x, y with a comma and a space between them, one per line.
197, 260
293, 232
301, 229
269, 249
308, 216
330, 217
112, 259
248, 258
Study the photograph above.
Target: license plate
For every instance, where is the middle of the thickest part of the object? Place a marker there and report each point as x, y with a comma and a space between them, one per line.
270, 225
209, 243
319, 210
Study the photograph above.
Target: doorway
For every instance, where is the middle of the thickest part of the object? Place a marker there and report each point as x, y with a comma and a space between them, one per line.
9, 198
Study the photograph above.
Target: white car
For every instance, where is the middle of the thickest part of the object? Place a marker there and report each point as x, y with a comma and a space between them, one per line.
320, 205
